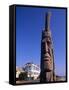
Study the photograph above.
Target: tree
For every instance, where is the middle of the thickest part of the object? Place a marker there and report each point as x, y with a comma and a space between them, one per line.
23, 76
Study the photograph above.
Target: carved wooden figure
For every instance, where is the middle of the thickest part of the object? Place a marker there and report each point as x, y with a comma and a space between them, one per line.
47, 56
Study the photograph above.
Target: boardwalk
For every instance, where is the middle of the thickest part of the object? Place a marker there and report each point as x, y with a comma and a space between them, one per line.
30, 81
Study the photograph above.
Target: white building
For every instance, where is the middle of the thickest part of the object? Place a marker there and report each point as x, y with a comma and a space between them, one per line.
33, 70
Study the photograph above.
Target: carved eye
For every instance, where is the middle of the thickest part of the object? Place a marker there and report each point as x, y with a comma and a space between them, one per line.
48, 43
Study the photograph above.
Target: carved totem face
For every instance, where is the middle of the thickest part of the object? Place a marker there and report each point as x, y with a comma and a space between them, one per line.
48, 57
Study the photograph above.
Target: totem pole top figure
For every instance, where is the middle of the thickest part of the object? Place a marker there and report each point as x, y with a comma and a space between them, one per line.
47, 21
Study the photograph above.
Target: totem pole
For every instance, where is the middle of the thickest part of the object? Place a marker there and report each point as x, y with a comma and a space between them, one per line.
47, 56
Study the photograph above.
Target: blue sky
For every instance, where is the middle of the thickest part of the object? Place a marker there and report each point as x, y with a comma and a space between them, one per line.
29, 25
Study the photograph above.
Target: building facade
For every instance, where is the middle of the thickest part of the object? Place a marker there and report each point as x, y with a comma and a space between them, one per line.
33, 70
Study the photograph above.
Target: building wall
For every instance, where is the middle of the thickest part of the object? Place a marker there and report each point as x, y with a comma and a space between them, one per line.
33, 70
